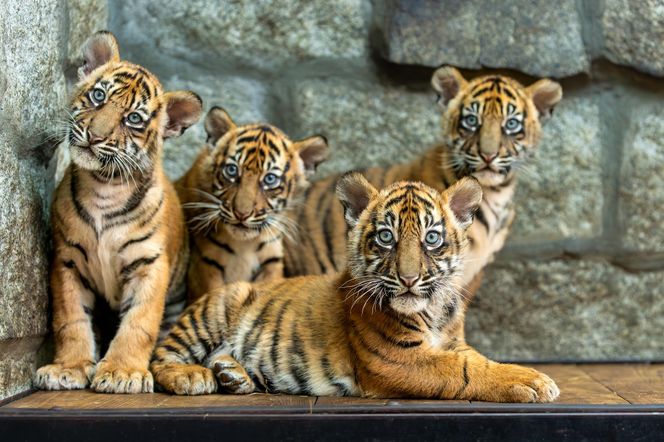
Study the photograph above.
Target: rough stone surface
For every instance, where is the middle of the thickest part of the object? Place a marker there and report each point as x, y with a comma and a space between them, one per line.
243, 99
560, 190
537, 37
85, 18
32, 95
257, 33
642, 181
19, 358
367, 124
567, 310
633, 34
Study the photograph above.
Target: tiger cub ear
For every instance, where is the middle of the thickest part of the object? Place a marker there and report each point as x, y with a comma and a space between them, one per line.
217, 124
99, 49
447, 81
545, 95
313, 151
183, 109
354, 192
464, 198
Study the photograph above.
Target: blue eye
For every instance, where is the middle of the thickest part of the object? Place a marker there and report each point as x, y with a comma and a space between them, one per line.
271, 180
512, 125
230, 170
470, 122
385, 237
98, 95
432, 238
134, 118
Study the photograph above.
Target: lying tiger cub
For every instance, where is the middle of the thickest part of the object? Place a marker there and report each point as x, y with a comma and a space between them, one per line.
236, 196
390, 325
118, 229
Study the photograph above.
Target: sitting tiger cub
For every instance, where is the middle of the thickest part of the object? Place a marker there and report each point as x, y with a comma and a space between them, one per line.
236, 196
118, 229
390, 325
491, 125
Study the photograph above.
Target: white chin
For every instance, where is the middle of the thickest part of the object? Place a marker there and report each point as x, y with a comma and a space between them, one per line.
408, 304
242, 233
489, 178
82, 157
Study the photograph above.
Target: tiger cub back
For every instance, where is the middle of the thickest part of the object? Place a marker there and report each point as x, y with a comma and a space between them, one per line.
237, 196
491, 125
390, 325
118, 229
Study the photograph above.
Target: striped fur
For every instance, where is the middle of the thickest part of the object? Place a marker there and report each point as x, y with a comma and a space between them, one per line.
490, 126
236, 197
390, 325
118, 229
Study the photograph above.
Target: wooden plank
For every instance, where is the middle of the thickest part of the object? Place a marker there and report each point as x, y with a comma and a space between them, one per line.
86, 399
637, 383
577, 387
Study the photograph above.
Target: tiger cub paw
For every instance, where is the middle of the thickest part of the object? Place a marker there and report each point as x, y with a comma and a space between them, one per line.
529, 385
232, 377
61, 377
112, 378
186, 379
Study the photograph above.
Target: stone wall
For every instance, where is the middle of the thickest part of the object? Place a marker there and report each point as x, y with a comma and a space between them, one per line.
582, 275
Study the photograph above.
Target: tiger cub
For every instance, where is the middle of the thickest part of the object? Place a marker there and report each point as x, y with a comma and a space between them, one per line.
490, 124
118, 229
236, 197
390, 325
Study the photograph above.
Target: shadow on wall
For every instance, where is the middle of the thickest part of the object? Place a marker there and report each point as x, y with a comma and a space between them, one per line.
585, 255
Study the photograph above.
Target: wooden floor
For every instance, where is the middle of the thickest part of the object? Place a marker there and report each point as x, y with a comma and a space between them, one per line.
580, 385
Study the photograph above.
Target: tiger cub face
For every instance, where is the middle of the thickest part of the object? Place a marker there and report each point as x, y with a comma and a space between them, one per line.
254, 172
492, 123
120, 114
405, 242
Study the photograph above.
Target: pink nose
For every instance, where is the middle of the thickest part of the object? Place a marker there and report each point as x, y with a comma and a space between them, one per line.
409, 281
488, 158
94, 138
241, 216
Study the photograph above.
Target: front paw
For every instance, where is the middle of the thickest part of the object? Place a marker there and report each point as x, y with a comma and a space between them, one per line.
64, 377
186, 379
112, 378
525, 384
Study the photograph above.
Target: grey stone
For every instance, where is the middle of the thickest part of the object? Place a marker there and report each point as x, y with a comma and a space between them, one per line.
560, 192
19, 359
633, 34
257, 33
85, 18
366, 124
642, 181
567, 310
538, 37
245, 100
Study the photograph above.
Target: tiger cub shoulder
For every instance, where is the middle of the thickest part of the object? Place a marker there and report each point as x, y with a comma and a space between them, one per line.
237, 196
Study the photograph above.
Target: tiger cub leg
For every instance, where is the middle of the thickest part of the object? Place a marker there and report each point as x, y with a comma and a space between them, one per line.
232, 376
469, 375
74, 363
124, 368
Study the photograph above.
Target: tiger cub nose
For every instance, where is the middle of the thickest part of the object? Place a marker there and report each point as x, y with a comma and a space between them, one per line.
241, 215
94, 138
409, 280
488, 157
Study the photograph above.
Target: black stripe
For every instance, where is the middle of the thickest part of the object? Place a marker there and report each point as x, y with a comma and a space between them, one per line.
178, 340
479, 216
250, 298
207, 346
129, 268
274, 349
251, 338
221, 245
134, 200
213, 263
299, 371
80, 210
137, 240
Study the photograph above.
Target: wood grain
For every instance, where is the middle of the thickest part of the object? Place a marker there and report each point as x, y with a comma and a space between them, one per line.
586, 384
